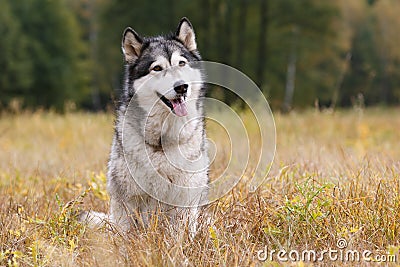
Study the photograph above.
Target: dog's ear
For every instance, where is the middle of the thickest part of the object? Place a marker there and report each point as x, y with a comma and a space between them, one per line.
185, 34
131, 45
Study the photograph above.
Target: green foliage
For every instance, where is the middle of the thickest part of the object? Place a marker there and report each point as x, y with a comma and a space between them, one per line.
58, 52
63, 227
306, 29
15, 78
47, 36
375, 59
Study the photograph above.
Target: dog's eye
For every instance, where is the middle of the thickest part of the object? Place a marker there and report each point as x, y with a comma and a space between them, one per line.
157, 68
182, 63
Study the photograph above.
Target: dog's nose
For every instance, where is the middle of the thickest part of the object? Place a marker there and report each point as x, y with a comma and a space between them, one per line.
180, 87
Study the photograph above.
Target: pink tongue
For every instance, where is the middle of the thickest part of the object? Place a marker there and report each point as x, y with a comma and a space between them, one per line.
180, 108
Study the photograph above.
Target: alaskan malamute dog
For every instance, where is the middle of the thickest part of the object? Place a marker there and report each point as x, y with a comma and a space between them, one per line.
158, 161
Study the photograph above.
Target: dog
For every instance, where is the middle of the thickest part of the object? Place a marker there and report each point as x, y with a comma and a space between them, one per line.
158, 162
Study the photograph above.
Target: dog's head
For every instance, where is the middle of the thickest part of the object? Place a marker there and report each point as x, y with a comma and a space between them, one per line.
161, 71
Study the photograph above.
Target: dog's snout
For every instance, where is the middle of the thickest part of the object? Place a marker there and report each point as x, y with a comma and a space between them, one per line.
181, 87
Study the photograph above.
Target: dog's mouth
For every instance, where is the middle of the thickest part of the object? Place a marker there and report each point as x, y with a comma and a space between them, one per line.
177, 105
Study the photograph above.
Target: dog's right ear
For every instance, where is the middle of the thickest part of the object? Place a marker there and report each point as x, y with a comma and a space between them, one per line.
185, 34
131, 45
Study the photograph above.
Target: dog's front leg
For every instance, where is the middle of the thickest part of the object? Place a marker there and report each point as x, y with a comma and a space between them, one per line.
193, 214
121, 214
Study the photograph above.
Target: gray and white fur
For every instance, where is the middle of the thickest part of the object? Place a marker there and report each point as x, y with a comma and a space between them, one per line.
159, 145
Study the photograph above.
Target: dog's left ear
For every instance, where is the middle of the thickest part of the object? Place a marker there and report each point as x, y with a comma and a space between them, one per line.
185, 34
131, 45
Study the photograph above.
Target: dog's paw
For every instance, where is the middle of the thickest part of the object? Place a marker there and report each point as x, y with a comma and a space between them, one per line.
93, 219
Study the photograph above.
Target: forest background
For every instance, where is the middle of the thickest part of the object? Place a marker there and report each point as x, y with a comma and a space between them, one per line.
66, 54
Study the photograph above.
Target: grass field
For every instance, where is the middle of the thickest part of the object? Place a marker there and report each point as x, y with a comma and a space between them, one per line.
336, 176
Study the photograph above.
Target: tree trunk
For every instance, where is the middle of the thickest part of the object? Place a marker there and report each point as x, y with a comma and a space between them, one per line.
384, 90
206, 11
224, 29
291, 73
336, 90
241, 36
95, 93
262, 43
228, 32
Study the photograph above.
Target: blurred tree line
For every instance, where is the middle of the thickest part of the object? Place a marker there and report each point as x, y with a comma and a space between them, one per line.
300, 53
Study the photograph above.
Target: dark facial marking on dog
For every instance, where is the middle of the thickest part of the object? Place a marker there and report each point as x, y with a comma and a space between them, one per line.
141, 68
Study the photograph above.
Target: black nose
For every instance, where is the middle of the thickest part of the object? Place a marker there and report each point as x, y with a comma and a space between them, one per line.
180, 87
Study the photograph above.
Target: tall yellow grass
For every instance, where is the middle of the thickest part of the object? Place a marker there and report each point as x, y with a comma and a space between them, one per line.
335, 175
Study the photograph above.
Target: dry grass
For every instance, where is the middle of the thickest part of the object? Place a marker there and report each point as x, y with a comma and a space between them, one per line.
335, 176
